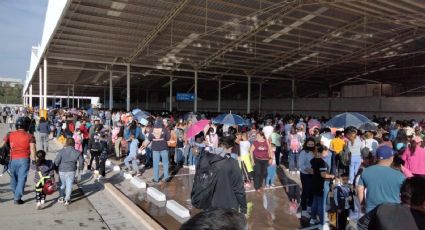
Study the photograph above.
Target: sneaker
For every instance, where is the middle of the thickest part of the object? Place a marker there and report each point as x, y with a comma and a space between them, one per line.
38, 205
155, 181
273, 185
20, 201
167, 180
60, 200
42, 202
305, 214
298, 172
67, 202
267, 186
314, 222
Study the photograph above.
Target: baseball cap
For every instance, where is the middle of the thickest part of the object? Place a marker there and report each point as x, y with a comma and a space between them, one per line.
384, 152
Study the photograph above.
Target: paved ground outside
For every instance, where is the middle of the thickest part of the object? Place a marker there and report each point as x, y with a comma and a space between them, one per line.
89, 208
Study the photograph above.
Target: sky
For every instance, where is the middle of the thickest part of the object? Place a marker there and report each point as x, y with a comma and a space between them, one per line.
21, 27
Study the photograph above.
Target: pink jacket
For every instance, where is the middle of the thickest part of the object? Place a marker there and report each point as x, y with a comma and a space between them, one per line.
415, 163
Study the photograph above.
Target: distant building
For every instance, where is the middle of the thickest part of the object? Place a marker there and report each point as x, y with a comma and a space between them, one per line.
10, 82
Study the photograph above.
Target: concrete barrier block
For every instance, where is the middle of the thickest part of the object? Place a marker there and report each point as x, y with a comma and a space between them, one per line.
117, 168
156, 194
108, 163
127, 176
138, 183
177, 209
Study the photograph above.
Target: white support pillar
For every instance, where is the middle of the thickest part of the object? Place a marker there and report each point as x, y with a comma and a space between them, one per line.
171, 93
128, 87
260, 96
248, 106
195, 99
45, 85
60, 102
30, 104
219, 96
40, 75
78, 102
67, 102
111, 92
293, 96
73, 96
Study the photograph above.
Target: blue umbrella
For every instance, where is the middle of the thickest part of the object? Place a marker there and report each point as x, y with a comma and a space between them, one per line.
229, 119
140, 114
345, 120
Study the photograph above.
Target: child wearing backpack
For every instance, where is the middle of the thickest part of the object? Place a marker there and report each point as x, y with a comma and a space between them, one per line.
343, 198
294, 147
43, 170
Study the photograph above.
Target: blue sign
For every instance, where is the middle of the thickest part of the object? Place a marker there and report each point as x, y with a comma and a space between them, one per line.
185, 97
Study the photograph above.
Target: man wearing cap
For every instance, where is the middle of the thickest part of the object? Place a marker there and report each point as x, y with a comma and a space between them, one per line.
381, 182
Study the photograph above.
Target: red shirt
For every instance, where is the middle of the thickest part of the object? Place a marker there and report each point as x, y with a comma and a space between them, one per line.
84, 131
261, 150
19, 144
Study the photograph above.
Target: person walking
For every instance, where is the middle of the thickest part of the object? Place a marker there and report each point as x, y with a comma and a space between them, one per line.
66, 161
44, 130
43, 170
22, 149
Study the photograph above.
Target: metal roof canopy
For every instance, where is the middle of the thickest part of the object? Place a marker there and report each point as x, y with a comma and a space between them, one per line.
317, 42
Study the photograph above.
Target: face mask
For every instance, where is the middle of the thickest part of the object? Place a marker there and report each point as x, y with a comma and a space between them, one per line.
310, 148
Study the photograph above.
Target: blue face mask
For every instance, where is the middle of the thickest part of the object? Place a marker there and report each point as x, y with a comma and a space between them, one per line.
399, 146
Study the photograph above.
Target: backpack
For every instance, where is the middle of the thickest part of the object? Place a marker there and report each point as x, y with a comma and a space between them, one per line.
96, 147
180, 138
294, 144
4, 154
345, 155
205, 181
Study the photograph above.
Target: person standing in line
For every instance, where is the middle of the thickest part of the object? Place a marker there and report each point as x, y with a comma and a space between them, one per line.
66, 161
306, 176
276, 140
159, 137
261, 154
44, 130
354, 145
22, 149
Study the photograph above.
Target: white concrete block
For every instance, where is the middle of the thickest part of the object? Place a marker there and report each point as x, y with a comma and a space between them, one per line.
117, 168
177, 209
156, 194
108, 163
127, 176
139, 183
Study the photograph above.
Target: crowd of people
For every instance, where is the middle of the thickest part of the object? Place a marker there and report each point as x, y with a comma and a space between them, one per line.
344, 173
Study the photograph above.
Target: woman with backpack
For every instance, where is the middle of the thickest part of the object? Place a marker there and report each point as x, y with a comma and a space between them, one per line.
294, 146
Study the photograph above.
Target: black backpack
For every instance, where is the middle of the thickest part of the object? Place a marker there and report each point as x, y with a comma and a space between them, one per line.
96, 148
4, 155
205, 181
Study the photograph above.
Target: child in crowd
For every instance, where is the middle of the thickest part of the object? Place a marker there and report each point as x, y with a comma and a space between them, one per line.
271, 169
43, 170
132, 156
343, 198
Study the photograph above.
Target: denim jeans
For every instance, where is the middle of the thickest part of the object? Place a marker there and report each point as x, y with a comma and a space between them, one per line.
133, 160
178, 157
192, 158
18, 176
271, 174
325, 200
67, 180
44, 141
293, 161
186, 151
356, 161
317, 208
157, 155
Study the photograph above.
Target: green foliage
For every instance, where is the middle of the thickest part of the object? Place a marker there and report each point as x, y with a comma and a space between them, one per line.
10, 93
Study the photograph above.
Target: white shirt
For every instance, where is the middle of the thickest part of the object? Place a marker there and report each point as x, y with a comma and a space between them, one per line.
268, 130
326, 139
244, 147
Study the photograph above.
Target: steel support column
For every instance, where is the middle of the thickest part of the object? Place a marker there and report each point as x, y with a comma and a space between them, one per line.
128, 87
248, 106
30, 102
293, 96
40, 90
260, 96
219, 96
171, 93
111, 92
73, 96
45, 85
195, 99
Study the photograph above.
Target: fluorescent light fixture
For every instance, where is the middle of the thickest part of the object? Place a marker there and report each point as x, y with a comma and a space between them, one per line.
295, 24
408, 41
118, 5
113, 13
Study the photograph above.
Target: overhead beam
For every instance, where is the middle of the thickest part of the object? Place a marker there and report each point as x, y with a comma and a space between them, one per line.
158, 28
